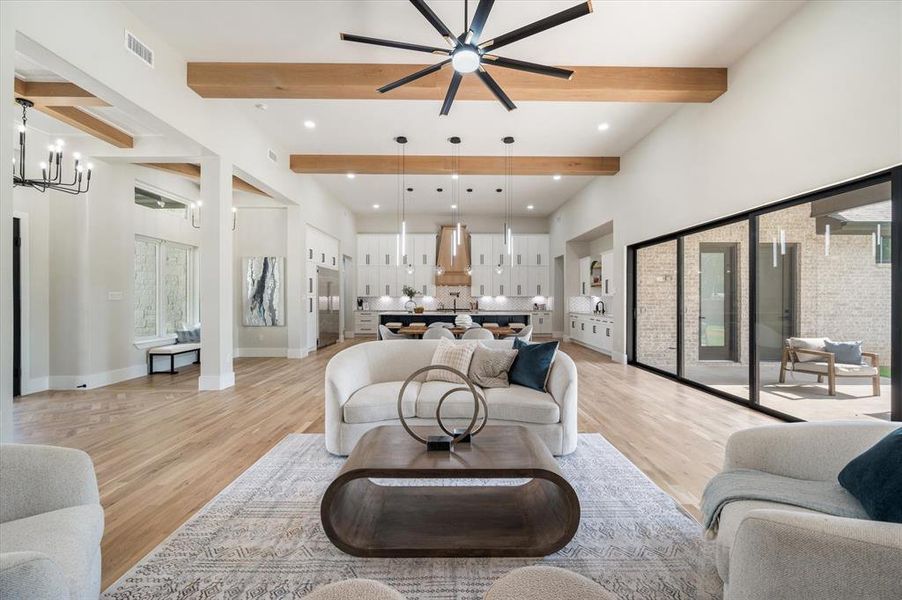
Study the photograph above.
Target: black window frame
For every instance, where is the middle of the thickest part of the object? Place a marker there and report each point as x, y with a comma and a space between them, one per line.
892, 175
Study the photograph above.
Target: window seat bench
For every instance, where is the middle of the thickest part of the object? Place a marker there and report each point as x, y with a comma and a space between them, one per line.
172, 350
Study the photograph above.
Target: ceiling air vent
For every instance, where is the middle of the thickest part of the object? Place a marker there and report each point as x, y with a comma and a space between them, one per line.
136, 47
272, 155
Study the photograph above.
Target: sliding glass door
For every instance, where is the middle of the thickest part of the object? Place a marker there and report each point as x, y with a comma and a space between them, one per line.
788, 308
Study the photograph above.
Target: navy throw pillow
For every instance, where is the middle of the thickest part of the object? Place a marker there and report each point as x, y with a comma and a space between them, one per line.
875, 478
848, 353
533, 362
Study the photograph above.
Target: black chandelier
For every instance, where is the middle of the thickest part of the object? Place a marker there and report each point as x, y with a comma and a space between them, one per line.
52, 170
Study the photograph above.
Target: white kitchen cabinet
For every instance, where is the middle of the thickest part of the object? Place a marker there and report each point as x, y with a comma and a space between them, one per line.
594, 331
388, 251
541, 323
481, 250
367, 250
424, 280
519, 281
500, 254
367, 281
501, 282
607, 273
366, 322
538, 284
421, 249
405, 278
387, 284
520, 257
538, 250
481, 282
322, 249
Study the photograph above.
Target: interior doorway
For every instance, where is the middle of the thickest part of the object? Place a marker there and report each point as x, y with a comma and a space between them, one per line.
17, 306
777, 310
718, 323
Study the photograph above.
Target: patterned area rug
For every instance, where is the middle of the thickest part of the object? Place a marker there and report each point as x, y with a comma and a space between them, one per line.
261, 538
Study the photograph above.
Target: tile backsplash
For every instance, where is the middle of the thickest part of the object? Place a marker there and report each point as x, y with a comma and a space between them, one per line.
584, 304
443, 299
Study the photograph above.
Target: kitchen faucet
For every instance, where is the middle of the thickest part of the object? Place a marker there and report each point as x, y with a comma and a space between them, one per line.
603, 307
454, 296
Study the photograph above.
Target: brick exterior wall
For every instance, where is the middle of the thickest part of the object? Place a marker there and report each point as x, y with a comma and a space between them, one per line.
175, 287
845, 296
145, 291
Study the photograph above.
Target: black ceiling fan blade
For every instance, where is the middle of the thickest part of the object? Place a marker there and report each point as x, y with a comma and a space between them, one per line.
529, 67
496, 89
414, 76
452, 91
362, 39
435, 21
541, 25
479, 18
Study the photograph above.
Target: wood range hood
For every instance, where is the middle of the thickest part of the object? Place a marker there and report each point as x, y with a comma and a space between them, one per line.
455, 266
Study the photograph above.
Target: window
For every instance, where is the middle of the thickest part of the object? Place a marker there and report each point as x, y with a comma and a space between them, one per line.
883, 250
164, 287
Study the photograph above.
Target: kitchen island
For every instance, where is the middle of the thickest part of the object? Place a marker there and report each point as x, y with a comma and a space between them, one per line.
503, 318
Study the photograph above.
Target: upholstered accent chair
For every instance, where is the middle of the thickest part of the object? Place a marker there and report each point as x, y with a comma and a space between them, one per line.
436, 333
51, 523
477, 333
809, 355
767, 550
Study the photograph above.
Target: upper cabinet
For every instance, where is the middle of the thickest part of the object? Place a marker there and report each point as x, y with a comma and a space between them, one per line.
607, 274
322, 249
596, 275
585, 276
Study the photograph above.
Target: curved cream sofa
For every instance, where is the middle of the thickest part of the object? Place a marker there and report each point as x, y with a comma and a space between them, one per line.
363, 382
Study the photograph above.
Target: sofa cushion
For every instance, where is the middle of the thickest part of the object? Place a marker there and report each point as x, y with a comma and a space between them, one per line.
533, 363
70, 537
452, 354
800, 343
874, 477
457, 405
844, 352
842, 370
489, 366
523, 404
730, 518
379, 402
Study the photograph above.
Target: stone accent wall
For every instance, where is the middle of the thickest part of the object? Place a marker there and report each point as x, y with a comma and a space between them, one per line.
145, 291
656, 304
175, 286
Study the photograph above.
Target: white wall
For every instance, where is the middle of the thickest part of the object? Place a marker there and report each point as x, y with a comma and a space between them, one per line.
816, 102
259, 232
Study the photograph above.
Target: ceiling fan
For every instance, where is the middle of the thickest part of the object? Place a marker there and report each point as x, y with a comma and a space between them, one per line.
467, 55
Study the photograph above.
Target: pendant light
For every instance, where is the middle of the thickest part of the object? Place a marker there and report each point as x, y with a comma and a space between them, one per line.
439, 269
507, 230
499, 268
456, 234
401, 238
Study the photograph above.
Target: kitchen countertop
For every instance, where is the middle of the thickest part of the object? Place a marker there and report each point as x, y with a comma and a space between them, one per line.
591, 314
451, 313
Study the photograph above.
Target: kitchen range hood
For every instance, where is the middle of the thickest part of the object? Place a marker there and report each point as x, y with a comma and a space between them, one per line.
454, 263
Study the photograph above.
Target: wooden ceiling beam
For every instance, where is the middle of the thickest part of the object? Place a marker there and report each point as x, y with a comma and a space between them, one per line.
192, 172
56, 93
360, 81
371, 164
90, 124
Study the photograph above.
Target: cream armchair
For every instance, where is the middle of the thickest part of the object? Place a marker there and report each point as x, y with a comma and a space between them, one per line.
51, 523
809, 355
767, 550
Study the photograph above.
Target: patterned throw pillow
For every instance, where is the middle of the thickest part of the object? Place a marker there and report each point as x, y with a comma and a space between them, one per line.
489, 367
452, 354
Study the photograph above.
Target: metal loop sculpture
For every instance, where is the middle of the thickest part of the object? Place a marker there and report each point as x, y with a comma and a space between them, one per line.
477, 400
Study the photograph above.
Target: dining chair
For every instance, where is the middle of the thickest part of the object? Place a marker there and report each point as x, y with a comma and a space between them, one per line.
386, 334
524, 334
477, 333
435, 333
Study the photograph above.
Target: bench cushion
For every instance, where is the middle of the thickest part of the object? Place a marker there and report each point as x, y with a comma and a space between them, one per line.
841, 369
174, 349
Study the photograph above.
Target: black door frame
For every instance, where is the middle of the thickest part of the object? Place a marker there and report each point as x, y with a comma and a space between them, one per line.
17, 307
893, 175
730, 349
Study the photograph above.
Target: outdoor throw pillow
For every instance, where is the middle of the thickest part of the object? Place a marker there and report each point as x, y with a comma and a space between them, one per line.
533, 364
875, 479
489, 366
452, 354
848, 353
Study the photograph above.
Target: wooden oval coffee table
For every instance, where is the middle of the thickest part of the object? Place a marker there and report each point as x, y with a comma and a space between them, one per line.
366, 518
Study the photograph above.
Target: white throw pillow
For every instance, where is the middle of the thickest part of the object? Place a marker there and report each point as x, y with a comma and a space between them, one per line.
456, 355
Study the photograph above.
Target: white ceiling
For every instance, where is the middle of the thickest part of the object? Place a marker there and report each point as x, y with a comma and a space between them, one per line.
684, 33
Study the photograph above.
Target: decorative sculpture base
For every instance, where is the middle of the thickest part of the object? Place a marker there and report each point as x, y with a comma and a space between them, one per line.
457, 432
440, 443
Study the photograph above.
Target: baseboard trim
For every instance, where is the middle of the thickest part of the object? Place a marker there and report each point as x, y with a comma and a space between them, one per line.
619, 357
216, 382
95, 380
35, 385
261, 352
593, 348
296, 353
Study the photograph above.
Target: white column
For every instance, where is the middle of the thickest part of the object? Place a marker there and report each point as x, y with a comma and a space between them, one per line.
8, 116
216, 267
296, 270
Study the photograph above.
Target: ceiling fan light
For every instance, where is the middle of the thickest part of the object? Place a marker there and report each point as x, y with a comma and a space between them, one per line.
465, 60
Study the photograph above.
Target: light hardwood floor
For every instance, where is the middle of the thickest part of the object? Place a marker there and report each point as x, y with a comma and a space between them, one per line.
162, 449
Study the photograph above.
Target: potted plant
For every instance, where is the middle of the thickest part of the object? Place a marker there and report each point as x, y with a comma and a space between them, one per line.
411, 293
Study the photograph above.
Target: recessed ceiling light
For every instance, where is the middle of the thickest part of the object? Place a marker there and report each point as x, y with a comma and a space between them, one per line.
453, 206
603, 127
375, 206
530, 207
309, 124
261, 105
556, 177
351, 176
